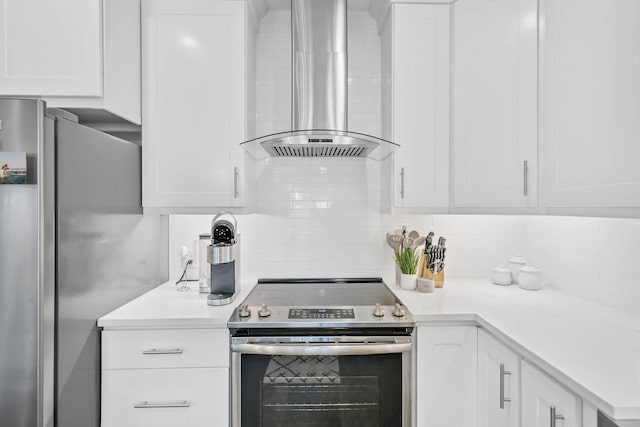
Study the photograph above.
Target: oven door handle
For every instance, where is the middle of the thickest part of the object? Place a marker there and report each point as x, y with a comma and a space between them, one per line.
321, 349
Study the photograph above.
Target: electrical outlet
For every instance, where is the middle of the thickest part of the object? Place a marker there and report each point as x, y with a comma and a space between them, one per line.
186, 255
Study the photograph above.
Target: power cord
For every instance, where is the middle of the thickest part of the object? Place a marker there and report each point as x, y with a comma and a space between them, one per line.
184, 273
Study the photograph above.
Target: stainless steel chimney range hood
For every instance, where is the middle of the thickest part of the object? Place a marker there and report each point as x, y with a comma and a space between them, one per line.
319, 91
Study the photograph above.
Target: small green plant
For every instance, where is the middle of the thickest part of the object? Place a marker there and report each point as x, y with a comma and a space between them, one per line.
407, 260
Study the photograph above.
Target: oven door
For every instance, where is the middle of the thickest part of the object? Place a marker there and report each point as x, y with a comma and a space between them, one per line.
321, 381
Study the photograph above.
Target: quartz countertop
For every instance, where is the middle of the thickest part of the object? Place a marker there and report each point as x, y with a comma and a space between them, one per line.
592, 349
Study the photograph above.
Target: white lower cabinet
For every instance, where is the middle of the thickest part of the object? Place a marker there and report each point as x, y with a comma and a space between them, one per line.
446, 376
165, 397
546, 403
498, 383
165, 378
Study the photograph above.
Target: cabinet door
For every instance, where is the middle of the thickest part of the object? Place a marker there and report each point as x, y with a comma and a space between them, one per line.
542, 398
495, 103
51, 47
165, 397
194, 103
420, 98
498, 383
591, 103
446, 376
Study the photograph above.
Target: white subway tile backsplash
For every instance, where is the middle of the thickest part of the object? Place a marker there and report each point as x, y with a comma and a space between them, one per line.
595, 258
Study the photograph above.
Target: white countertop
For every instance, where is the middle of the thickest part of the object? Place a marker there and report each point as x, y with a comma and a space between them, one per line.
592, 349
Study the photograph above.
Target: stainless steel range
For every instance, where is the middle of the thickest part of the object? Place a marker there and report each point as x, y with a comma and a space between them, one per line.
320, 352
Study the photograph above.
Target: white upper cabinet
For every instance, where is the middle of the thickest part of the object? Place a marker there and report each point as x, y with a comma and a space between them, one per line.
77, 54
415, 102
120, 67
51, 47
591, 103
495, 103
194, 114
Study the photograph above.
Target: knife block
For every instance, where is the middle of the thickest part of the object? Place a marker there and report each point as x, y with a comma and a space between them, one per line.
438, 277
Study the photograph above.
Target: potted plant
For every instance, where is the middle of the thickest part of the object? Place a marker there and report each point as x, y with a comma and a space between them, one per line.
407, 260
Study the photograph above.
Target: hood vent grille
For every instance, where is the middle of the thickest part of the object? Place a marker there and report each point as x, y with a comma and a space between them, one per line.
318, 151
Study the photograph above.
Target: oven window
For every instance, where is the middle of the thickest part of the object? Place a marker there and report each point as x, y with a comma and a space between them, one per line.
321, 390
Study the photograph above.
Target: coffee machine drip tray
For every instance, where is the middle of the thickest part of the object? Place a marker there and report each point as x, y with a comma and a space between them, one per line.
220, 299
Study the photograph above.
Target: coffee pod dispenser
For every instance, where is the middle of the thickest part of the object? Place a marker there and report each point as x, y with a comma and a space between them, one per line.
223, 255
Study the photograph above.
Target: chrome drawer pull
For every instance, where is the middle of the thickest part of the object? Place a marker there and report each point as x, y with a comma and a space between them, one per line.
169, 404
163, 351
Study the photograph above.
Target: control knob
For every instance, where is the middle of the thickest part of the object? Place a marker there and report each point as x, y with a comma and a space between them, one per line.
244, 311
398, 311
378, 311
264, 311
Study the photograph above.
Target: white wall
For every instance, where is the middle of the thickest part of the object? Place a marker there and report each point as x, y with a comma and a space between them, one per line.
596, 258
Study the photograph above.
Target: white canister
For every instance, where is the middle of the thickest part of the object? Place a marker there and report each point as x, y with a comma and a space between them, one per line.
530, 278
501, 275
425, 284
515, 264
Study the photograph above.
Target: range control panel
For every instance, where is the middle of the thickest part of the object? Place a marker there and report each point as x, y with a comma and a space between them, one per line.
321, 313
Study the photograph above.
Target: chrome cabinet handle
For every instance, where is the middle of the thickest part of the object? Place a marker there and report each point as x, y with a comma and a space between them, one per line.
526, 178
402, 183
163, 351
169, 404
235, 182
554, 417
502, 374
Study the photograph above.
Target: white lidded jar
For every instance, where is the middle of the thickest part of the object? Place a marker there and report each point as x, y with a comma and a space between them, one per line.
530, 278
501, 275
515, 264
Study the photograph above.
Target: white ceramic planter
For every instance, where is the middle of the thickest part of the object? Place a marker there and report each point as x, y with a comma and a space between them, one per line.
408, 281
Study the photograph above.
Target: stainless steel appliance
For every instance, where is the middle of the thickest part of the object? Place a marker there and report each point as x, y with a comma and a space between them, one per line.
319, 91
74, 245
319, 352
223, 256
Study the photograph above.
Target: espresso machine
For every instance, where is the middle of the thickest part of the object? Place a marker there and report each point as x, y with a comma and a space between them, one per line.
223, 256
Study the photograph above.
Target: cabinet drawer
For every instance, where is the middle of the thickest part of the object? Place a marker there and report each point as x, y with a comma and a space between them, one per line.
176, 348
165, 397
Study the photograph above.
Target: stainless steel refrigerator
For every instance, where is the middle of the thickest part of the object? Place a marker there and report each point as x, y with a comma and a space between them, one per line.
74, 245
